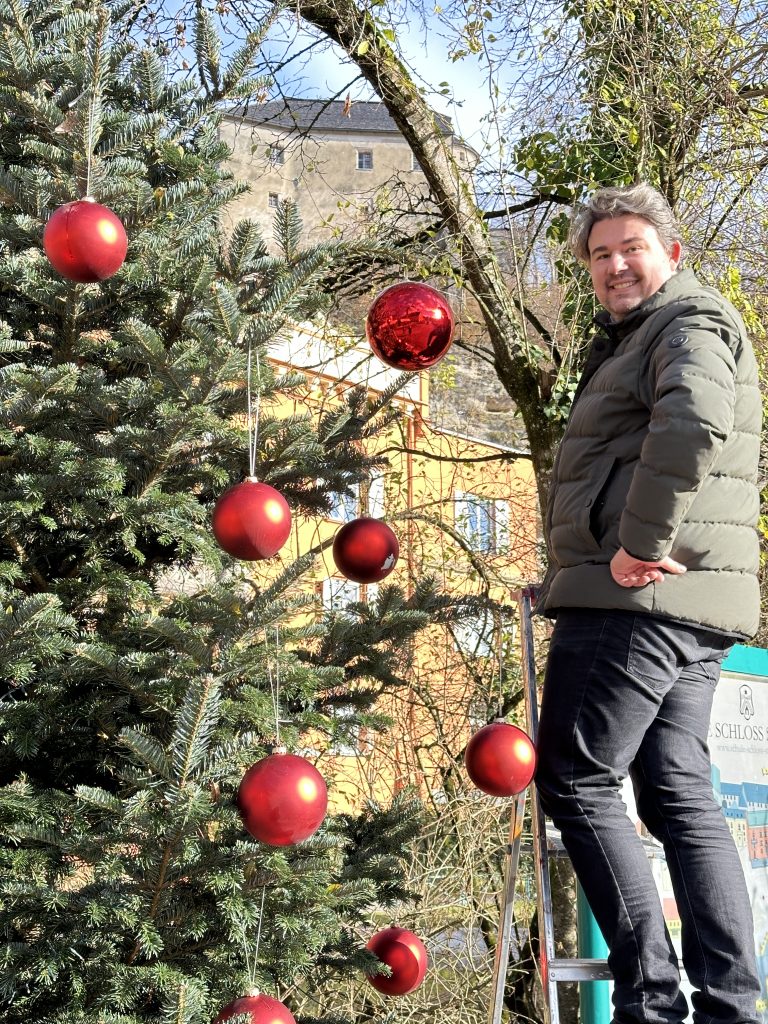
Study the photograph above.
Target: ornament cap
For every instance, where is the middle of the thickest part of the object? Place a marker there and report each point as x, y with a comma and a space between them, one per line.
252, 479
253, 993
88, 199
280, 748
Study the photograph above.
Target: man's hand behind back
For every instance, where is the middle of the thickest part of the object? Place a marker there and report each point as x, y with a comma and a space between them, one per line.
629, 571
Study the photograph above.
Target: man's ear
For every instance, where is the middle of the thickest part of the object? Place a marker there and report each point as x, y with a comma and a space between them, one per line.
675, 254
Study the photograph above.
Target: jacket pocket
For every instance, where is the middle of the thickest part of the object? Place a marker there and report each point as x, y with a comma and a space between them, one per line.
595, 499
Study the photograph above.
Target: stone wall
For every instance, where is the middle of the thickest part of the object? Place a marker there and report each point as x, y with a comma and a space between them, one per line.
466, 397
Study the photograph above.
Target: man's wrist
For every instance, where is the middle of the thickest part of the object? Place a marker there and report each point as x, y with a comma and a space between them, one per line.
637, 558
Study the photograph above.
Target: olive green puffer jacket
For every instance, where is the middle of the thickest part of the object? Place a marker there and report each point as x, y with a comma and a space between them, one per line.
660, 456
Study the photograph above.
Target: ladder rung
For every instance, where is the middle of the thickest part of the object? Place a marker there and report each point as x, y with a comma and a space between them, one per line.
552, 851
579, 969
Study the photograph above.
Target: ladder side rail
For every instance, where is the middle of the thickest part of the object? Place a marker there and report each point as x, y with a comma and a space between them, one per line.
501, 960
540, 851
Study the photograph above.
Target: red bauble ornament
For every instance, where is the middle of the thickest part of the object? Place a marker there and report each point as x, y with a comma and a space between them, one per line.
404, 952
282, 799
500, 759
261, 1009
85, 241
365, 550
251, 520
410, 326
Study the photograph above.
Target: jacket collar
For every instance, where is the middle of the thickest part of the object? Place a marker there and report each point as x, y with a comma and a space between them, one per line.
680, 282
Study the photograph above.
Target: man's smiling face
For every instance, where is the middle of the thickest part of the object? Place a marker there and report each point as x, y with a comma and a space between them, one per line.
628, 263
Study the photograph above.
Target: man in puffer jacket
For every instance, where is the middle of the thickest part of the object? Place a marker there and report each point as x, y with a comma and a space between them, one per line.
653, 576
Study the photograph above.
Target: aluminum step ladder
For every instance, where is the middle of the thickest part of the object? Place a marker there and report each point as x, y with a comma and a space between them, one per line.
552, 968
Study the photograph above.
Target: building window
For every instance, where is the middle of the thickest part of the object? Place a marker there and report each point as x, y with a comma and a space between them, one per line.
274, 199
347, 740
365, 160
482, 522
339, 593
276, 156
348, 506
415, 165
376, 495
473, 634
344, 505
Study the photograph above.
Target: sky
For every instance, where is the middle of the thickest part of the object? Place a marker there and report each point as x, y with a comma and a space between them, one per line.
328, 71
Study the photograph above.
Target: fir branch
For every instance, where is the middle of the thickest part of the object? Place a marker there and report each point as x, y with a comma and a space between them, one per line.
208, 53
195, 725
148, 752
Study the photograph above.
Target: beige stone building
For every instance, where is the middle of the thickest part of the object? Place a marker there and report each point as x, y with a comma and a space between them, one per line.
341, 163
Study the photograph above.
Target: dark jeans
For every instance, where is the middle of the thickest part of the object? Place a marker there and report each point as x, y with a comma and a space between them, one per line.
630, 693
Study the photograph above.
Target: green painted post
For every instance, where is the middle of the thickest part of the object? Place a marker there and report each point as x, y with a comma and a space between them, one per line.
594, 996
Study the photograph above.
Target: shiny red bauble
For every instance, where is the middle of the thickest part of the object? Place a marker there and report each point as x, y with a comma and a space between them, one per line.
365, 550
500, 759
261, 1009
85, 241
404, 952
410, 326
282, 799
251, 520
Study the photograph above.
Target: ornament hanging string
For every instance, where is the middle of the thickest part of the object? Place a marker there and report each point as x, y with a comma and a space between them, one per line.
274, 680
253, 417
258, 933
251, 966
91, 100
501, 666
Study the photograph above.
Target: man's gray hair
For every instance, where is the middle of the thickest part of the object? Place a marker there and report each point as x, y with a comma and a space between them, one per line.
627, 200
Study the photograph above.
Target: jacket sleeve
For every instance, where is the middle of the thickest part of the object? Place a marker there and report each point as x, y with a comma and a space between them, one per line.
693, 386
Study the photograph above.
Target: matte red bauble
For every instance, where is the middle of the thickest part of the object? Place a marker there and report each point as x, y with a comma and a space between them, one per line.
261, 1009
365, 550
500, 759
282, 799
410, 326
404, 952
251, 520
85, 241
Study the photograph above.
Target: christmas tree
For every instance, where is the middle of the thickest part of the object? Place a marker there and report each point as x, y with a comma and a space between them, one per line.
142, 668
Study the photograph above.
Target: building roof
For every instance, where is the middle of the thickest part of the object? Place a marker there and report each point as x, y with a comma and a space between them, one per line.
325, 115
748, 793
